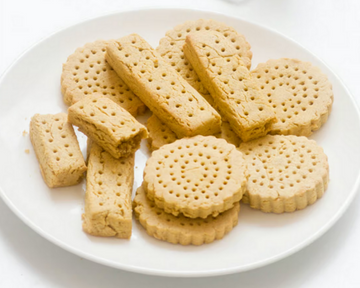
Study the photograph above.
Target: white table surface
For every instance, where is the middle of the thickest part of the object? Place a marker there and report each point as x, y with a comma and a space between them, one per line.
329, 28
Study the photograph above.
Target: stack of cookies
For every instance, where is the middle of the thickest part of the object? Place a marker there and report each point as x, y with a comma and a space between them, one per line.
193, 188
219, 133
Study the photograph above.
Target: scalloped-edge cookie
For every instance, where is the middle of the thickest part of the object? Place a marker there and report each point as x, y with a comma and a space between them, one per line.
300, 94
171, 49
287, 173
180, 229
87, 73
197, 177
160, 134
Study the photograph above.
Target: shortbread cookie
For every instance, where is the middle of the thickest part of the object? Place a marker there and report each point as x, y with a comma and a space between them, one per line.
228, 134
109, 184
57, 150
160, 134
236, 96
287, 173
86, 73
300, 94
161, 88
182, 230
198, 177
171, 49
109, 125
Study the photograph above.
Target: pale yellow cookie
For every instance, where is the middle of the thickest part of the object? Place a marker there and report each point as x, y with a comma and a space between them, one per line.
109, 184
236, 95
228, 134
197, 177
173, 100
86, 73
160, 134
108, 124
287, 173
300, 94
180, 229
171, 49
57, 150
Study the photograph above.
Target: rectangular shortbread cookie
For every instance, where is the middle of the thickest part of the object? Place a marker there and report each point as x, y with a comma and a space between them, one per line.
160, 134
170, 97
109, 184
236, 96
108, 124
57, 150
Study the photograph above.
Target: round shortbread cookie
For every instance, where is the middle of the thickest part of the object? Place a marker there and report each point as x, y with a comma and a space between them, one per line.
300, 94
179, 229
86, 72
171, 49
287, 173
197, 176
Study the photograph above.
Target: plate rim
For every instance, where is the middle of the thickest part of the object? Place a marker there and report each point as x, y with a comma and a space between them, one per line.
189, 273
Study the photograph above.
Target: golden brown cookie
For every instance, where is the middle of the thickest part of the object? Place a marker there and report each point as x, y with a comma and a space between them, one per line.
109, 184
287, 173
180, 229
161, 88
171, 49
109, 125
86, 73
300, 94
197, 177
236, 95
57, 150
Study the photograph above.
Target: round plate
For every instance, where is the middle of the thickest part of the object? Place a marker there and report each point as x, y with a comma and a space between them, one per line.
32, 85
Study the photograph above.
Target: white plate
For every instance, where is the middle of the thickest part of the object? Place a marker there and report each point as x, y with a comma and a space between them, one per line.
32, 85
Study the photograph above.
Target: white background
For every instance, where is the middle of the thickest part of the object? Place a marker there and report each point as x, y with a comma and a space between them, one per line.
329, 28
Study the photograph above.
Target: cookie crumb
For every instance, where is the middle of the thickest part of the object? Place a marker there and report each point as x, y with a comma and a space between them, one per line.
27, 151
24, 133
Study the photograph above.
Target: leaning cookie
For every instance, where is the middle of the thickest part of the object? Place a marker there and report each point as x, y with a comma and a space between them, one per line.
198, 177
300, 94
171, 49
86, 72
236, 95
287, 173
182, 230
161, 88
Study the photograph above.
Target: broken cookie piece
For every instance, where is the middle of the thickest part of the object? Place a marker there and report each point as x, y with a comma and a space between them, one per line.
108, 124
